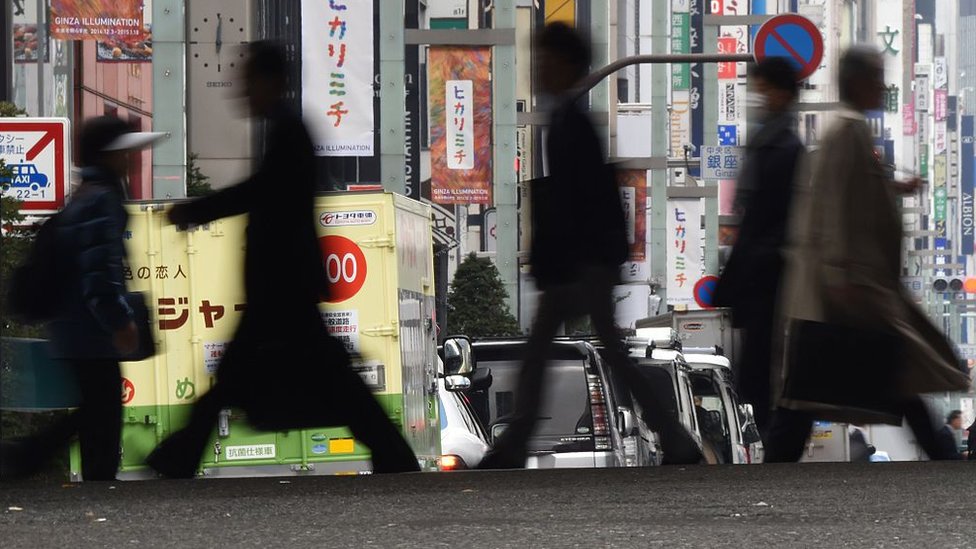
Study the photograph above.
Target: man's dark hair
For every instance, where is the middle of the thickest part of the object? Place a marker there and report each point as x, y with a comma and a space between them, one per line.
778, 72
953, 415
95, 134
266, 59
856, 65
561, 40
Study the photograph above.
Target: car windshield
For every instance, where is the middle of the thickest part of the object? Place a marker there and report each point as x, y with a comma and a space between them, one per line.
565, 407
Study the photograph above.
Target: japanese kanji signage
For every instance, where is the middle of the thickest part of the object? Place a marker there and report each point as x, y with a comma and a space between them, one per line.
941, 103
36, 150
908, 119
344, 326
337, 75
720, 162
96, 19
684, 248
922, 87
459, 101
680, 43
460, 127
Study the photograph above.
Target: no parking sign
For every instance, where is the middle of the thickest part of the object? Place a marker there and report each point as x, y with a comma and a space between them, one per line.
705, 291
793, 37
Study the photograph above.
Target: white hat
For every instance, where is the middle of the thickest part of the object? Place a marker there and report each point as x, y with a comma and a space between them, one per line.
134, 140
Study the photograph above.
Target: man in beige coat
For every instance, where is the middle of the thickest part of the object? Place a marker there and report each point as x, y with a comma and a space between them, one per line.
844, 264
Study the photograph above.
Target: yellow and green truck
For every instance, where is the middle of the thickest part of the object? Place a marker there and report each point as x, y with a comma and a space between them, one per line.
377, 249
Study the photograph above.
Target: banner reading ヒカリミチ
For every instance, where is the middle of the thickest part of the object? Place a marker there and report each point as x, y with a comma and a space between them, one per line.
460, 129
337, 76
96, 19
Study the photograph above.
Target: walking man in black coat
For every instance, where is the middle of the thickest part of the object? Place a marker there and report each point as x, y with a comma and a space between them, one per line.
282, 330
750, 284
579, 242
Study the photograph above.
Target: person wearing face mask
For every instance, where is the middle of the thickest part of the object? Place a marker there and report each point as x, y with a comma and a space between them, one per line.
751, 280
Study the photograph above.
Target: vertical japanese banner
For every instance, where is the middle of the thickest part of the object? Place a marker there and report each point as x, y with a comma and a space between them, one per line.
684, 241
908, 118
633, 196
680, 128
696, 34
337, 76
940, 106
412, 124
460, 129
459, 124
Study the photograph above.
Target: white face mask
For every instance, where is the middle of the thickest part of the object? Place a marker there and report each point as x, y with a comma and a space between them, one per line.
756, 109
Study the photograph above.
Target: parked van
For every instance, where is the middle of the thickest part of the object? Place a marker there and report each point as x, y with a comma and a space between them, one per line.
724, 421
659, 358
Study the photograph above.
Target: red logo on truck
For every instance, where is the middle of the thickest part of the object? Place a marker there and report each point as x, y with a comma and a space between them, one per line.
345, 267
128, 391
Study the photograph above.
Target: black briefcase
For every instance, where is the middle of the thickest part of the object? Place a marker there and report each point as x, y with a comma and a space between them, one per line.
854, 369
143, 321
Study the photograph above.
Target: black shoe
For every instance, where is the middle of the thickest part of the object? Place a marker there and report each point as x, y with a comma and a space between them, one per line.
171, 459
18, 460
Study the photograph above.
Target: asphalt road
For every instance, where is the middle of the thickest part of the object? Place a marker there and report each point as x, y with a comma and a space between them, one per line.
809, 505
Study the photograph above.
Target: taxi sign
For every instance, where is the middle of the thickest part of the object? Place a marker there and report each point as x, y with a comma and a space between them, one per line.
36, 151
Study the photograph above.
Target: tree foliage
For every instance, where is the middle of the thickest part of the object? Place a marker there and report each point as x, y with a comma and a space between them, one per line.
15, 241
197, 183
476, 302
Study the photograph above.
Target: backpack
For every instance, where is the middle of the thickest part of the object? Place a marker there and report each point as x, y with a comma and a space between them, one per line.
36, 293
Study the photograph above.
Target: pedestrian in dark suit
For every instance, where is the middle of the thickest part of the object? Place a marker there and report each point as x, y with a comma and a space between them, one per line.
971, 443
750, 283
947, 436
579, 241
94, 325
282, 367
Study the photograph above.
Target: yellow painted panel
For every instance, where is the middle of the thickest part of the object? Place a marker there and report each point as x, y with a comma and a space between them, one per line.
194, 280
341, 446
561, 10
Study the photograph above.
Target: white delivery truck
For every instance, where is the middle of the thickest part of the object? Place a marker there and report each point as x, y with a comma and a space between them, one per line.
379, 258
